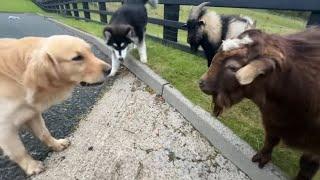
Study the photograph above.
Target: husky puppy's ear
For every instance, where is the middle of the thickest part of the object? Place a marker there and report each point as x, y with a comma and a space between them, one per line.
131, 34
107, 32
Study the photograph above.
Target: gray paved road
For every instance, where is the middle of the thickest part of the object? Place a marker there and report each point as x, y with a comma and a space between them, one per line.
61, 119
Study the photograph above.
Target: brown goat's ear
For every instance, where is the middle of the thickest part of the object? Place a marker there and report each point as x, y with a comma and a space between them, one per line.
247, 74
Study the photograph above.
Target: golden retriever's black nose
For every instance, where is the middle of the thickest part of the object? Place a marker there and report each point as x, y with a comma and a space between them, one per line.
107, 71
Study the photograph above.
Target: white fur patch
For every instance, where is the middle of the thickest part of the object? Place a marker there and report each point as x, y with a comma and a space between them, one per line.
249, 19
213, 27
235, 28
231, 44
115, 65
122, 55
30, 96
143, 51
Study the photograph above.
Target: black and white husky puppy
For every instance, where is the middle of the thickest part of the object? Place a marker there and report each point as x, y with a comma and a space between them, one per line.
127, 26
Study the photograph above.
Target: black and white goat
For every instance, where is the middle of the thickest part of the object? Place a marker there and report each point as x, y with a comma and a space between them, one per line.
208, 29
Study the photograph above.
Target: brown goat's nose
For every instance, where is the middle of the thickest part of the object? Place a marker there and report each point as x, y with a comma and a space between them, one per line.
201, 83
206, 88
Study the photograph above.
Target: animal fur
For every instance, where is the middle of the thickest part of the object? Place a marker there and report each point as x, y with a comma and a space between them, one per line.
281, 75
208, 29
36, 73
127, 27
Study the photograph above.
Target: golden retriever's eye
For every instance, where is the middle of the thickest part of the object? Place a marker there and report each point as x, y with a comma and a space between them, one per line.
77, 58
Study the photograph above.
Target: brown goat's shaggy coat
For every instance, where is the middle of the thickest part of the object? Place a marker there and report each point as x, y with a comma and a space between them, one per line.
282, 76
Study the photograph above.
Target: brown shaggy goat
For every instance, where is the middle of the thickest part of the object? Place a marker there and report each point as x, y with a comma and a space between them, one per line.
281, 75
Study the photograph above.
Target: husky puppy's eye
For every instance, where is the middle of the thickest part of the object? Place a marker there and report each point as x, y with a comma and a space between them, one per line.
77, 58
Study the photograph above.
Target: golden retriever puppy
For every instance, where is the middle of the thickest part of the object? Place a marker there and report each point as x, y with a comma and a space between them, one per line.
36, 73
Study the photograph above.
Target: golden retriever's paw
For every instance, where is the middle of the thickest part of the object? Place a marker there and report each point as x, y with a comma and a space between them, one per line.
61, 144
34, 167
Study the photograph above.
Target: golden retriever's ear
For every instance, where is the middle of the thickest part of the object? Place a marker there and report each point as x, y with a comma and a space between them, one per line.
42, 71
52, 65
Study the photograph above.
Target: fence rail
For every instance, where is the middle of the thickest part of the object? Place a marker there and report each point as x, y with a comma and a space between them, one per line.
170, 22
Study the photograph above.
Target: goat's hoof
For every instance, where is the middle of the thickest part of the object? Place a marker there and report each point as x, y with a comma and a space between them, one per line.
261, 158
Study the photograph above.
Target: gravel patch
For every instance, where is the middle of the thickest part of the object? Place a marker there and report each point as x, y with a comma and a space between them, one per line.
133, 134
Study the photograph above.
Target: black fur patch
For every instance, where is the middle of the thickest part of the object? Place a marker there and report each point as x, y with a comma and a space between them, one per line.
225, 20
131, 14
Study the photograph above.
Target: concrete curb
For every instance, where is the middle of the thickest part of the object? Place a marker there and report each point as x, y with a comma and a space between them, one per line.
220, 136
146, 74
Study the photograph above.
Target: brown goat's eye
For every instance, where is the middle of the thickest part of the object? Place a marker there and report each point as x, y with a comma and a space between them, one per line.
233, 68
77, 58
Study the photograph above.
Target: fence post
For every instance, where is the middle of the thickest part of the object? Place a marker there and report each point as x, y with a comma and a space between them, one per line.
86, 10
75, 9
68, 12
314, 18
171, 12
103, 16
62, 10
57, 7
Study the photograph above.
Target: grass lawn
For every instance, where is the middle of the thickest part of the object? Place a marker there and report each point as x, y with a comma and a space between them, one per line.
183, 70
19, 6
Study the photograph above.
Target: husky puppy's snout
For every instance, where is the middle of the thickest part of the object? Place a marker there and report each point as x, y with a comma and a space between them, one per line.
120, 51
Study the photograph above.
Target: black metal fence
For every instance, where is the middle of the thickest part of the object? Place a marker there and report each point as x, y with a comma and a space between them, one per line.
170, 21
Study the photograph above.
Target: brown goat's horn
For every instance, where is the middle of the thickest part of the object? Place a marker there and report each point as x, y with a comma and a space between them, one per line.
248, 73
196, 10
